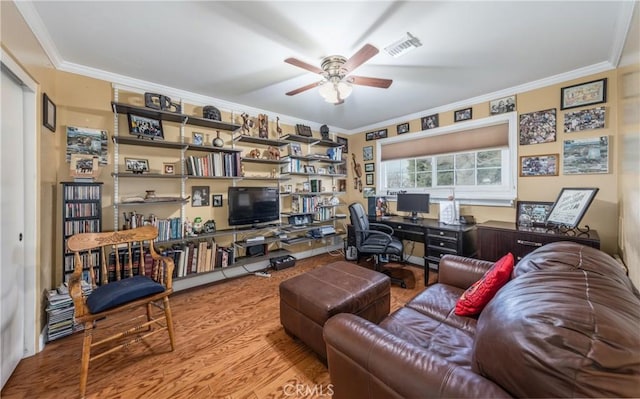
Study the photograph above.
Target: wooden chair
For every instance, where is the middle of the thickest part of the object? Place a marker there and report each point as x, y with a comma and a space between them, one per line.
140, 278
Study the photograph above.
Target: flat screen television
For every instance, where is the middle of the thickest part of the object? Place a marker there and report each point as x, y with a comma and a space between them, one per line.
253, 205
413, 203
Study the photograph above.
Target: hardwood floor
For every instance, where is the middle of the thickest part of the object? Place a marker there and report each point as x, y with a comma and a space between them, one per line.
229, 344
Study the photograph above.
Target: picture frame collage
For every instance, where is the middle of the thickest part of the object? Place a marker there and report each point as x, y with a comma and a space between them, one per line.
584, 155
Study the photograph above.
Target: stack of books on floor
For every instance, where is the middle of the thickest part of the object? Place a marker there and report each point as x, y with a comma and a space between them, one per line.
60, 312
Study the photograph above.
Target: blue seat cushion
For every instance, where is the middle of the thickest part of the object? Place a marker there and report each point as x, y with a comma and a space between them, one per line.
120, 292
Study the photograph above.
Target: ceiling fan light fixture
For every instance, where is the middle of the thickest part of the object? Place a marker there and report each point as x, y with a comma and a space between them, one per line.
335, 91
403, 46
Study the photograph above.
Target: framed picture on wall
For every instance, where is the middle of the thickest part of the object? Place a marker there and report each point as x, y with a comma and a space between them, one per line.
594, 92
429, 122
367, 153
586, 119
502, 105
586, 156
462, 115
539, 165
403, 128
369, 167
369, 179
538, 127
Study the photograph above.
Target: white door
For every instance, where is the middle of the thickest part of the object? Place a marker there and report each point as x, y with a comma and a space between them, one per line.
13, 290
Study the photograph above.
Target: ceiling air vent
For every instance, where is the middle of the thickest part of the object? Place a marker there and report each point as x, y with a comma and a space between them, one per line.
403, 46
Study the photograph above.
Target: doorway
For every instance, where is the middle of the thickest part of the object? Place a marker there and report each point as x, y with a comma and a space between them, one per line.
18, 237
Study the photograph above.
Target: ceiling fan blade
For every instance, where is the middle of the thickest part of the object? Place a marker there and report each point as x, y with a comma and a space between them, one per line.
373, 82
363, 55
303, 65
303, 88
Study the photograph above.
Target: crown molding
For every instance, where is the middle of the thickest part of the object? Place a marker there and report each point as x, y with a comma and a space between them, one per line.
33, 20
537, 84
622, 31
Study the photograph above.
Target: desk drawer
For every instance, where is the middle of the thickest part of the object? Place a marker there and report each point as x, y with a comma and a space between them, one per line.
436, 233
406, 228
437, 243
437, 253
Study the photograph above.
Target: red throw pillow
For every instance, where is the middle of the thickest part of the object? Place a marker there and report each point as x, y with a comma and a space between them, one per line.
476, 297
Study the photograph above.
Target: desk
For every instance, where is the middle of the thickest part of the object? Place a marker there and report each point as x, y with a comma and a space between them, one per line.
438, 238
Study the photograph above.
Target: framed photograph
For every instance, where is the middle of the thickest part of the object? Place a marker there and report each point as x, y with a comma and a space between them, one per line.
145, 127
462, 115
430, 122
322, 171
539, 165
532, 213
586, 156
570, 207
381, 134
342, 185
538, 127
370, 136
136, 165
216, 200
502, 105
345, 144
367, 153
168, 168
369, 179
84, 166
295, 149
369, 167
594, 92
48, 113
289, 188
85, 141
197, 138
403, 128
369, 192
306, 187
587, 119
199, 196
309, 169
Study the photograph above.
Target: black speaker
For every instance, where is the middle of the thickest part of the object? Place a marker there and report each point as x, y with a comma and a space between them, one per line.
256, 250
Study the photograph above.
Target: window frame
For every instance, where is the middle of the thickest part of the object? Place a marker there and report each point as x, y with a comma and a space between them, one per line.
503, 195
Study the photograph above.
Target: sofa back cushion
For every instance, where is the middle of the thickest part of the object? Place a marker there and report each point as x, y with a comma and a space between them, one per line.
566, 326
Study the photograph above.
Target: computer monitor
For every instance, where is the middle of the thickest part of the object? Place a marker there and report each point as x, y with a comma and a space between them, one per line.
414, 203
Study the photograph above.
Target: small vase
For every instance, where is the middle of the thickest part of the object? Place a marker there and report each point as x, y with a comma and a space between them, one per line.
218, 142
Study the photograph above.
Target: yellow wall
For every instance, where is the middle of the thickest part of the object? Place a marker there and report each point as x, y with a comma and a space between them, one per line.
603, 212
629, 168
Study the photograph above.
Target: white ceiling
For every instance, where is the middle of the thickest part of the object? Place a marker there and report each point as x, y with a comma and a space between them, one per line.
231, 53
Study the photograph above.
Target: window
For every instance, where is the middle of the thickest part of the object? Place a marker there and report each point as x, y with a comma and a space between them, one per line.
454, 162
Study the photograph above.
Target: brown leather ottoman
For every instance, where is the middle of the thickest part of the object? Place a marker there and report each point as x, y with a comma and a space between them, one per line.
308, 300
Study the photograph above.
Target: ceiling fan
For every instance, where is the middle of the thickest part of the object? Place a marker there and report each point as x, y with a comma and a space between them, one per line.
336, 82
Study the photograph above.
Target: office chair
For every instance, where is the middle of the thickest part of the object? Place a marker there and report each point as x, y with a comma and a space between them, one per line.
375, 242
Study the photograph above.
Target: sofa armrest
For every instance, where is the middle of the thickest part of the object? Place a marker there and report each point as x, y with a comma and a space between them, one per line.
461, 272
366, 361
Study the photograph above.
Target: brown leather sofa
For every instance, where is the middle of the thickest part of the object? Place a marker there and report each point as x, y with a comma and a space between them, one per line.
566, 325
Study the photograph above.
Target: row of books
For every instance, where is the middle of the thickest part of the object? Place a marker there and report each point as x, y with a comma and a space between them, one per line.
74, 210
73, 192
72, 227
215, 164
199, 257
168, 229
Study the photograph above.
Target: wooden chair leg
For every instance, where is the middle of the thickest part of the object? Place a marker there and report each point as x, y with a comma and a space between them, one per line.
167, 313
86, 356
